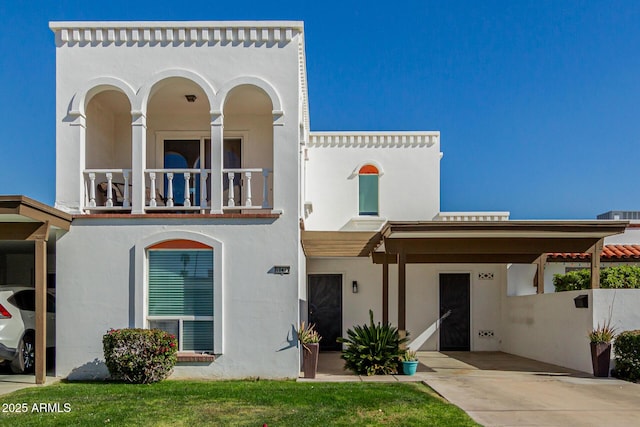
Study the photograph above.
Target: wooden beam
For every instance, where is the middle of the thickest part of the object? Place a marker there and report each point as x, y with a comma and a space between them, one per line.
385, 292
18, 230
503, 258
488, 245
596, 253
41, 310
41, 233
540, 263
402, 292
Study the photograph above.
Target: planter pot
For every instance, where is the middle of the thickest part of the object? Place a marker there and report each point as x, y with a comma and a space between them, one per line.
600, 359
310, 359
409, 367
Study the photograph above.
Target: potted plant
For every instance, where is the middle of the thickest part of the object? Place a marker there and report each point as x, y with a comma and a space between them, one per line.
601, 338
409, 362
309, 339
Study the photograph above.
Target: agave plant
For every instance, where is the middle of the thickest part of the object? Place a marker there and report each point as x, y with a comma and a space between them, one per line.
307, 334
602, 334
372, 349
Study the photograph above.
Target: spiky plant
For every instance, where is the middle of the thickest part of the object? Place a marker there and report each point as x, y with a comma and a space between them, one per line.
372, 349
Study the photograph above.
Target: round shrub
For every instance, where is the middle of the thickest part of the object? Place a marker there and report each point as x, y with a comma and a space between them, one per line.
139, 356
372, 349
627, 352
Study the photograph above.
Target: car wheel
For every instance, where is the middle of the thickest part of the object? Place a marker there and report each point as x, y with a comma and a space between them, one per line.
26, 358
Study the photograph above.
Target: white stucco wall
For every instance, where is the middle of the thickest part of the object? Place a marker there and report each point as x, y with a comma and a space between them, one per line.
422, 304
98, 280
548, 328
551, 329
631, 236
409, 186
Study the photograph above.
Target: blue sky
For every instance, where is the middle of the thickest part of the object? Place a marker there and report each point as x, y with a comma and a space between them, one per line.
538, 102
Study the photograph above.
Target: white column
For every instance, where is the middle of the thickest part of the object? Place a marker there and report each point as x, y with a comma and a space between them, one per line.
279, 144
217, 130
138, 160
126, 203
80, 124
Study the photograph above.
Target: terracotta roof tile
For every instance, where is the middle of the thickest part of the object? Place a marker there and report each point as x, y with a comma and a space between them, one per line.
609, 252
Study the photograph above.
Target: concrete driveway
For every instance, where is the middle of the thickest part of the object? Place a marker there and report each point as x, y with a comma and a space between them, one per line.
499, 389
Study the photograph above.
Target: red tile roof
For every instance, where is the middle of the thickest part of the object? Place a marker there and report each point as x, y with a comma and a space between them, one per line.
609, 253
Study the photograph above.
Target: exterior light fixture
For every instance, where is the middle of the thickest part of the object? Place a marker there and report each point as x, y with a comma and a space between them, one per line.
191, 98
354, 287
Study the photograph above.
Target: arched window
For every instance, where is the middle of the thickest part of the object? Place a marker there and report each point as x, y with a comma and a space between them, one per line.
180, 292
368, 176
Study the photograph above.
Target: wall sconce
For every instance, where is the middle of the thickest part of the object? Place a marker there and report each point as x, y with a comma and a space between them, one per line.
354, 287
191, 98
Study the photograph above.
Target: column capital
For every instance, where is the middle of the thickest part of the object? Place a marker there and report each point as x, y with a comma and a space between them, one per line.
278, 117
138, 118
77, 119
217, 118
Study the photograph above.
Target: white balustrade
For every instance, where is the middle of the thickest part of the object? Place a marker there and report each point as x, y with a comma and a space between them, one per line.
114, 186
190, 176
245, 188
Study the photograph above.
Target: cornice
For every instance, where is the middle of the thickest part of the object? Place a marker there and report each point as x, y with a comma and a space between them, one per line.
373, 139
187, 33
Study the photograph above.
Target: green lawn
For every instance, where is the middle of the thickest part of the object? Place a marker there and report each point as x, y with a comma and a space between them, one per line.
229, 403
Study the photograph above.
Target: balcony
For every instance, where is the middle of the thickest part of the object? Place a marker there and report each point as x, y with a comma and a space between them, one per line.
178, 190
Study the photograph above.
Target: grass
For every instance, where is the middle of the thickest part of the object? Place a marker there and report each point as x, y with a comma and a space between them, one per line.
235, 403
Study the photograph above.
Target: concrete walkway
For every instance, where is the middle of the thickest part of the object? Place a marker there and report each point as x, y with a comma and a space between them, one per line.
11, 382
499, 389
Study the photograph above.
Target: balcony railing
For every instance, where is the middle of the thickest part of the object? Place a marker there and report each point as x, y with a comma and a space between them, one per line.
184, 189
178, 189
107, 189
240, 194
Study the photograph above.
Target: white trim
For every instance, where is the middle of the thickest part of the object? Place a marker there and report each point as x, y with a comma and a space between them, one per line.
186, 33
144, 93
95, 86
141, 267
374, 163
268, 88
373, 139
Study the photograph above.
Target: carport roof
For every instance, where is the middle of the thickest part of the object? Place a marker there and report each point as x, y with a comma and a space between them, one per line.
462, 242
21, 216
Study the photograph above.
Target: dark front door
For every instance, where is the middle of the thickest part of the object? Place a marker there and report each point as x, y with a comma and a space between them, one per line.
325, 308
455, 328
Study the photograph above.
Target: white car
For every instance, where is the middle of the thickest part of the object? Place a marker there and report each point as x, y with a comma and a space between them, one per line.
17, 326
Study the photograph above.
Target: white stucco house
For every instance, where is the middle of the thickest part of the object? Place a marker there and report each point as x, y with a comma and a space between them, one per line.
203, 204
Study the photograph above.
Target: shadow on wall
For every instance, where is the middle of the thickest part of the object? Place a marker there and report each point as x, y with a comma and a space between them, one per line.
94, 370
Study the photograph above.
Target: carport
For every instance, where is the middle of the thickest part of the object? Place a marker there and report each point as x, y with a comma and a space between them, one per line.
26, 220
463, 242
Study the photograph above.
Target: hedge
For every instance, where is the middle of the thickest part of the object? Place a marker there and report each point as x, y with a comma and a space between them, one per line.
627, 352
621, 277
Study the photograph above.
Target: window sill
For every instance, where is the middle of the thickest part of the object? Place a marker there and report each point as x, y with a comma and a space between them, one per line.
195, 357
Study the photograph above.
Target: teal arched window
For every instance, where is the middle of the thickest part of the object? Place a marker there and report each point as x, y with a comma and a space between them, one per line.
368, 177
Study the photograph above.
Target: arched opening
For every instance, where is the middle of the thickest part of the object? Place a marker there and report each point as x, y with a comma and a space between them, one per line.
108, 150
368, 190
179, 145
247, 149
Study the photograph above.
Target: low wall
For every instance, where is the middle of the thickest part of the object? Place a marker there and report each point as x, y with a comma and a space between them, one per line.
551, 329
548, 328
